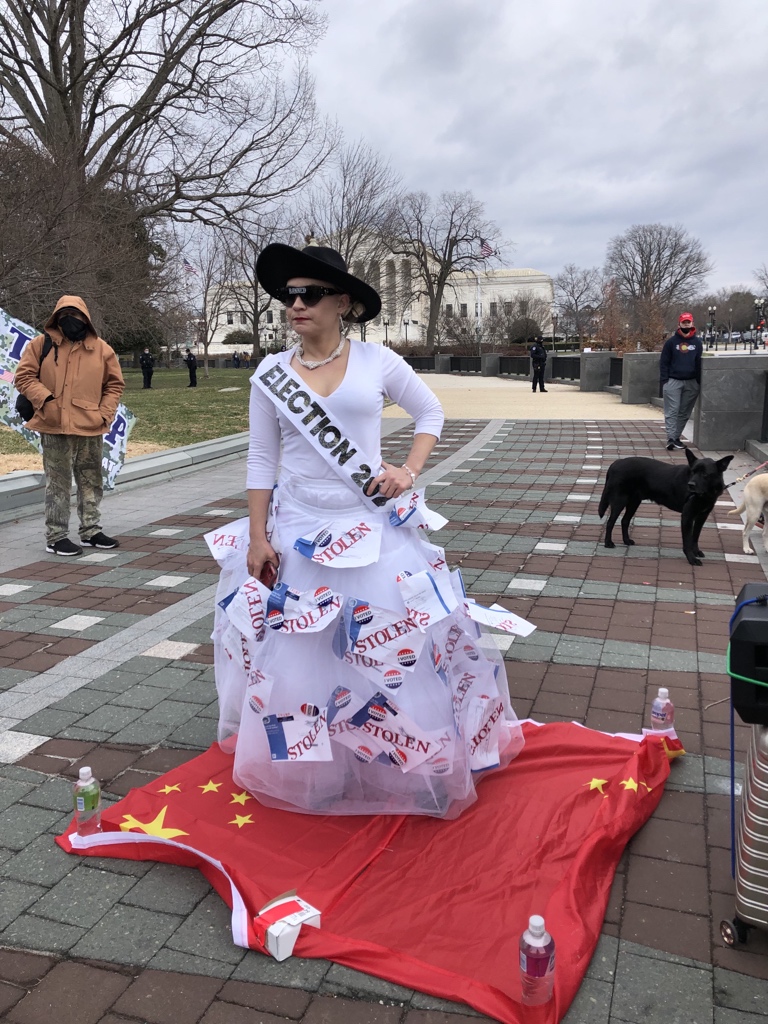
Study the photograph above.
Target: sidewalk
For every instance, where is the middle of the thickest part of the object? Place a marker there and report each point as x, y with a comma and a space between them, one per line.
106, 660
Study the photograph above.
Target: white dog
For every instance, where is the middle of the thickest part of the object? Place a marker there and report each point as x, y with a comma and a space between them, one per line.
754, 502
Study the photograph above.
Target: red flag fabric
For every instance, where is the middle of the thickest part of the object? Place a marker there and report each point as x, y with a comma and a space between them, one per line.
438, 906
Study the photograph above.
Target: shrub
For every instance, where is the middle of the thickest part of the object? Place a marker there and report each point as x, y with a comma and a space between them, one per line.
239, 338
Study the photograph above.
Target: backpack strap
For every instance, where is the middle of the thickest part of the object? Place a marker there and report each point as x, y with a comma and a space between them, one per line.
47, 346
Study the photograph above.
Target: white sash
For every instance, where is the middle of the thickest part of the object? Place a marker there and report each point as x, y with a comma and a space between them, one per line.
292, 397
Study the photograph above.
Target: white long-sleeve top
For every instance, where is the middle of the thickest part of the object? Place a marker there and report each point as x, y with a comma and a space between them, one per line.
373, 373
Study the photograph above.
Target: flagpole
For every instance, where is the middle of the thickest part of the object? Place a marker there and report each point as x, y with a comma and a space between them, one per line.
485, 251
477, 313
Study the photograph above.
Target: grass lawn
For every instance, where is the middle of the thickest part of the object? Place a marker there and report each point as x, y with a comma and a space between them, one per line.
171, 414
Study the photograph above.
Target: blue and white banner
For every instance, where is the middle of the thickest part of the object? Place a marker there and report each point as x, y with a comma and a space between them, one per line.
299, 736
292, 611
378, 633
229, 540
283, 609
499, 618
14, 336
344, 543
427, 598
385, 725
378, 730
411, 510
247, 610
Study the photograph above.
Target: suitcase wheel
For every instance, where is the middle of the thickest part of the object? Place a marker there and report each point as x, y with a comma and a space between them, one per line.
734, 933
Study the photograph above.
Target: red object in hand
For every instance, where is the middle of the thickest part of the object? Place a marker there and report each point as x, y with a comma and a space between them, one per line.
268, 574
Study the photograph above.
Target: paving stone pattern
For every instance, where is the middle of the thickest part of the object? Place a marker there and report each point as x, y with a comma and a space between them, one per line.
105, 941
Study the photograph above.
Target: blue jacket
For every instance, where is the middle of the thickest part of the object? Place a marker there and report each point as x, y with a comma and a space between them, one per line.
538, 354
681, 358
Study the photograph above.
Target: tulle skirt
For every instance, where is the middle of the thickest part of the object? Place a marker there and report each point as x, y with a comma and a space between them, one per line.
449, 694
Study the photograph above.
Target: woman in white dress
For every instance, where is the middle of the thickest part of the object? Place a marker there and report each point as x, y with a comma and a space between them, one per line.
360, 685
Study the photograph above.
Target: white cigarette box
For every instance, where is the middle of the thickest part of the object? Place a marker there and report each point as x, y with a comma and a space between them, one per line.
278, 923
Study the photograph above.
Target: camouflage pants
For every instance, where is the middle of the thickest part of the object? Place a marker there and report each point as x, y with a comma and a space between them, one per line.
65, 455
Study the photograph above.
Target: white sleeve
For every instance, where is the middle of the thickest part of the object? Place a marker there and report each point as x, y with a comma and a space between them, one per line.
264, 442
403, 386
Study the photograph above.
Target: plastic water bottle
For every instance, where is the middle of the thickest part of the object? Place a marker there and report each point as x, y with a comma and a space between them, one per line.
537, 962
87, 803
662, 711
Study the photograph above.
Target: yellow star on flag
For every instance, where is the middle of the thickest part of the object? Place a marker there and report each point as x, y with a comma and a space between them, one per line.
671, 754
170, 789
597, 784
240, 798
242, 819
152, 828
211, 786
629, 783
645, 784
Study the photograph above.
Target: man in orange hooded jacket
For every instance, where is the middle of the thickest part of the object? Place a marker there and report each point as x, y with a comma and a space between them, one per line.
75, 391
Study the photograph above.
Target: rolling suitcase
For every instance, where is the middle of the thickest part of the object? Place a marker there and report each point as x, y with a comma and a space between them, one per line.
748, 668
751, 845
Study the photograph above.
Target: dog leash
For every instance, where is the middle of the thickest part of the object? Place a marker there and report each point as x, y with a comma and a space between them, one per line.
750, 473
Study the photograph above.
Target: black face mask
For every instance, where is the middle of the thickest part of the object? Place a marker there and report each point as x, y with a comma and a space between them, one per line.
73, 328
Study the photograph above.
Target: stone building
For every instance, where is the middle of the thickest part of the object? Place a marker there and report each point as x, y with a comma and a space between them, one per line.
404, 310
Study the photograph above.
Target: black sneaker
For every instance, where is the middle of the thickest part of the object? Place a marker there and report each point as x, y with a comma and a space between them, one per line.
64, 547
670, 445
101, 540
678, 444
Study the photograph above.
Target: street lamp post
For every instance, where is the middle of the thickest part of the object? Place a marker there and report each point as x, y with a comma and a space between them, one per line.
553, 311
712, 310
730, 320
386, 333
405, 325
759, 304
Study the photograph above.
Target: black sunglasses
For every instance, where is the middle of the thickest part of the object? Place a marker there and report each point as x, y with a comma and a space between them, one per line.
310, 294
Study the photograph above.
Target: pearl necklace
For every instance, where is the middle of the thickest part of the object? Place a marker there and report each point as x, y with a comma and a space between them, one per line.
313, 364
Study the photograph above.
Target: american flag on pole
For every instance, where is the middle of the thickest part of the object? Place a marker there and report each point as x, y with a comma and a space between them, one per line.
6, 376
188, 268
486, 249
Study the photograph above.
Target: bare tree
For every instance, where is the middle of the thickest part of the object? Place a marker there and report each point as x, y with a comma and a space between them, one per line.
579, 295
657, 263
244, 238
185, 108
209, 257
352, 205
734, 309
124, 255
439, 238
613, 326
761, 276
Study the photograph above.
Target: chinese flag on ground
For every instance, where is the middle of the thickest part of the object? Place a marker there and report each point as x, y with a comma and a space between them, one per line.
438, 906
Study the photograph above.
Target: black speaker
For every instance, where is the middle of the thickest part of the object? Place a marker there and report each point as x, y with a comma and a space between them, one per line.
749, 656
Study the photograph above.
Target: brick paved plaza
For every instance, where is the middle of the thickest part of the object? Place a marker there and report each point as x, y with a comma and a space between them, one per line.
106, 660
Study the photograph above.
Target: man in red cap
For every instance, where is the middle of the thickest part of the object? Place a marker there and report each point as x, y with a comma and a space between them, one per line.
680, 372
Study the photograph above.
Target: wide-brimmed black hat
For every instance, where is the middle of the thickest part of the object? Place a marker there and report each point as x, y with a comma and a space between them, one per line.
278, 263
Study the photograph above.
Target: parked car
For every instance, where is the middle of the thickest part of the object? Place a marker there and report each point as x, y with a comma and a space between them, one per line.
735, 335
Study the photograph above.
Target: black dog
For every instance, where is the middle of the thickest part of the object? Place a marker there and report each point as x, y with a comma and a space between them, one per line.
692, 490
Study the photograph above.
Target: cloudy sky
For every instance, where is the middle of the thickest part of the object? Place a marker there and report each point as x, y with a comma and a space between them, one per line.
570, 119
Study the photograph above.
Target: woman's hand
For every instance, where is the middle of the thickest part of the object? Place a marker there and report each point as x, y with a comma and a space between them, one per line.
259, 552
392, 482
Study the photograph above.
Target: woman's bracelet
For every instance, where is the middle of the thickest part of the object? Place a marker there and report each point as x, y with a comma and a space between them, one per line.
410, 473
